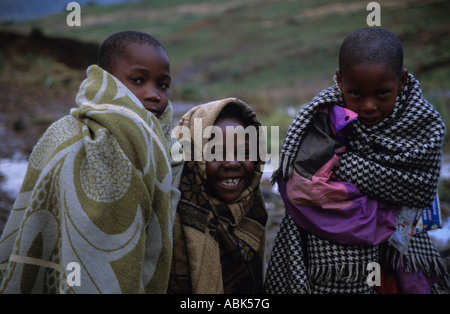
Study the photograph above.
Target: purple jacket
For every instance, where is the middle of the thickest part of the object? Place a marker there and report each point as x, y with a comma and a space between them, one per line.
332, 210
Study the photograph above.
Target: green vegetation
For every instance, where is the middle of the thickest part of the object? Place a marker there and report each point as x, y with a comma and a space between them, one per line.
274, 54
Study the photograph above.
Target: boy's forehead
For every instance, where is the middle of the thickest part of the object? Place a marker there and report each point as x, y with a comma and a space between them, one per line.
141, 53
143, 48
355, 70
141, 57
231, 120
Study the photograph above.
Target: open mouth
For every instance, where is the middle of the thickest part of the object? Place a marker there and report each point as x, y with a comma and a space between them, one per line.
230, 182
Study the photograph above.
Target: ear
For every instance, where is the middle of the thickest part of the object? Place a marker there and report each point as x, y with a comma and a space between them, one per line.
403, 79
339, 78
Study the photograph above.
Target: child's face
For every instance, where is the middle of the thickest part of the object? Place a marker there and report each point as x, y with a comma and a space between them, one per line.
145, 70
370, 90
228, 179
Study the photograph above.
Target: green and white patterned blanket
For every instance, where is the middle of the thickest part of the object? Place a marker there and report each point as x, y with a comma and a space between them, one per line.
96, 208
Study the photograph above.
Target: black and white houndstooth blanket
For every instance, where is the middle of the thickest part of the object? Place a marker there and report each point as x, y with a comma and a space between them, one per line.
302, 263
397, 160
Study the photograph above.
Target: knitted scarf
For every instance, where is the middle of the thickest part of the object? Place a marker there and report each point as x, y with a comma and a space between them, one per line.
397, 161
96, 208
218, 247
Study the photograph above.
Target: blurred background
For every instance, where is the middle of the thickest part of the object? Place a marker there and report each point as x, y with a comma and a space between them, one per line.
273, 54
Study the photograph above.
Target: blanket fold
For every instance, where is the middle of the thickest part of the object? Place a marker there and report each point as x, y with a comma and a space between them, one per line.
99, 196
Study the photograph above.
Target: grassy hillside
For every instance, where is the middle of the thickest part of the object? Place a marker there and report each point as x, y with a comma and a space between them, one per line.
274, 54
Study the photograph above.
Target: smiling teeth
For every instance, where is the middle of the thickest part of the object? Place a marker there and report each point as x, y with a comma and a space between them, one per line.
230, 182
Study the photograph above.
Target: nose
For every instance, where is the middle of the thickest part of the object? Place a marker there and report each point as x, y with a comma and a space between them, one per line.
152, 94
152, 101
369, 105
231, 164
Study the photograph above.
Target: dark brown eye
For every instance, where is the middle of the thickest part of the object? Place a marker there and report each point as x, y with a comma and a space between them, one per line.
137, 80
382, 93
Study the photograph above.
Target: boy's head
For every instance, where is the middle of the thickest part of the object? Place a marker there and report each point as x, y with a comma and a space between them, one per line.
371, 73
141, 63
228, 178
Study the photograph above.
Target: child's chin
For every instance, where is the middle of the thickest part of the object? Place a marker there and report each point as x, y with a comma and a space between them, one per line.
229, 196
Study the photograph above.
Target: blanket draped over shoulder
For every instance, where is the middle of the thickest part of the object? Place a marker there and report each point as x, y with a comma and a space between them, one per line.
218, 247
96, 209
322, 246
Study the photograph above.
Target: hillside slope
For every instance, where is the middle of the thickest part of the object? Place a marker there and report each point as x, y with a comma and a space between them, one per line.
264, 51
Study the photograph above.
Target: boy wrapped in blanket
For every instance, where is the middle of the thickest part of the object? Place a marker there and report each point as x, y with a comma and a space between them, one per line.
96, 208
359, 152
219, 231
